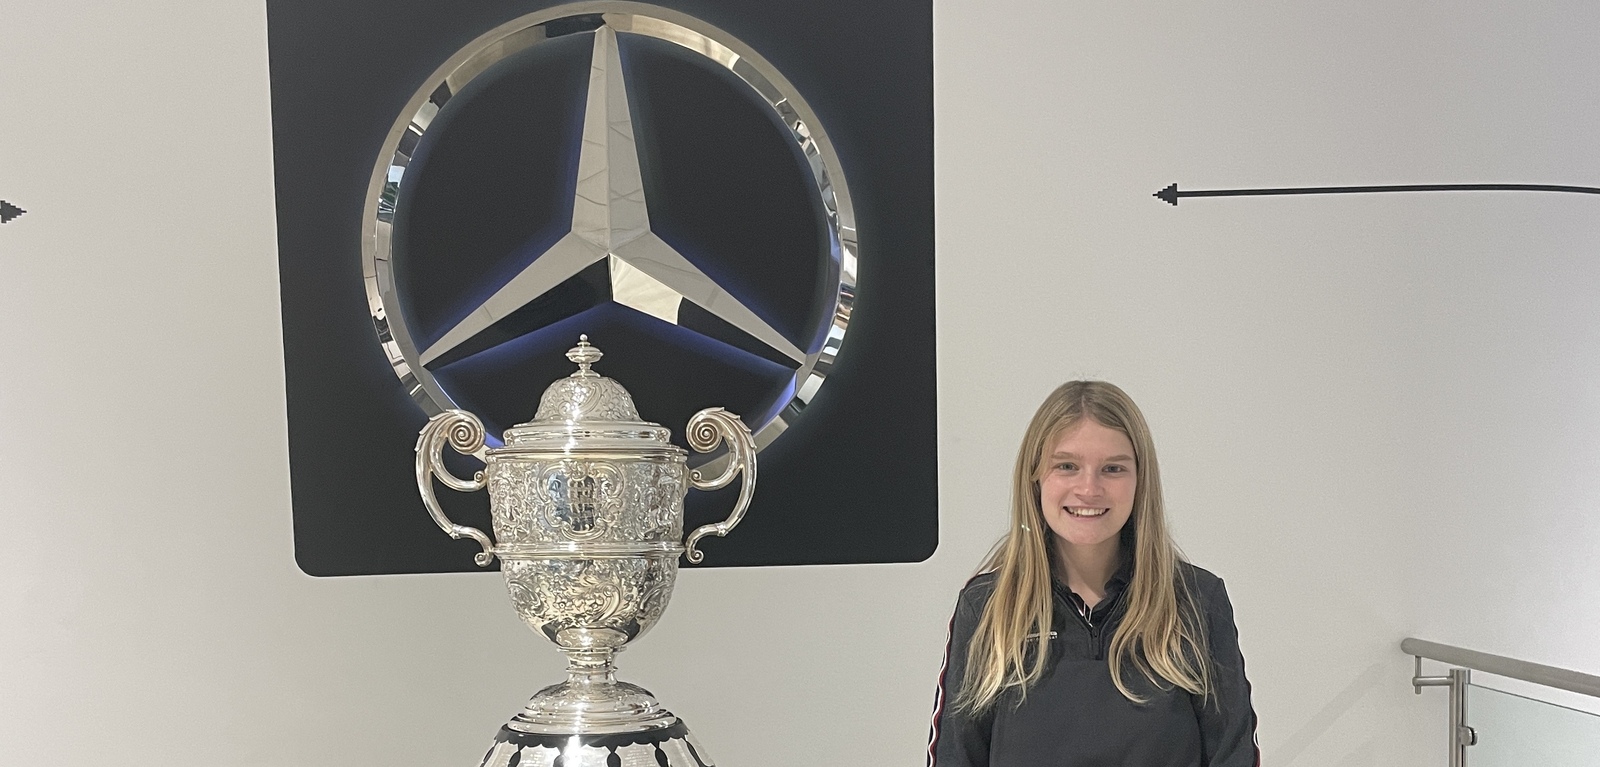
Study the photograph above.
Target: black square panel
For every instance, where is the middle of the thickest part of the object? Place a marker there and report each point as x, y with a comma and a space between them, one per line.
487, 189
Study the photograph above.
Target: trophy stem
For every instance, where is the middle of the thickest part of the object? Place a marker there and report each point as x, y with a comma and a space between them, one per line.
592, 701
591, 668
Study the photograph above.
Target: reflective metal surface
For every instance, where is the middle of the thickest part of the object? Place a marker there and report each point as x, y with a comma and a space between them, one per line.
586, 502
610, 218
674, 746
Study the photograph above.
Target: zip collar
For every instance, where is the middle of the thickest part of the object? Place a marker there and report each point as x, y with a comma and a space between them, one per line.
1095, 616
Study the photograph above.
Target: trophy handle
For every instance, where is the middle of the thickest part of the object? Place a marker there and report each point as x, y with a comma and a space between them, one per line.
707, 429
463, 432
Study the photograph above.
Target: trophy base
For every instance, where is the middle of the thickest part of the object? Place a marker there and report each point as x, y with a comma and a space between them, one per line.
592, 704
593, 720
669, 746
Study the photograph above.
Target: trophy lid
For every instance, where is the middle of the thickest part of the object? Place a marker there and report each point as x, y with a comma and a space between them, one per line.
587, 409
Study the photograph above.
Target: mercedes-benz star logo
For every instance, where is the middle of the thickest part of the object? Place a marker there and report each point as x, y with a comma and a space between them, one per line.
611, 222
610, 214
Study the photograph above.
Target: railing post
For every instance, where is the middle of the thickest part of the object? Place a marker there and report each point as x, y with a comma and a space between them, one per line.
1461, 735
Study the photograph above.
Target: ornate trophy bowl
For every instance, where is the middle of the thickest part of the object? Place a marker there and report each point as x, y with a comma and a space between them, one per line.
587, 507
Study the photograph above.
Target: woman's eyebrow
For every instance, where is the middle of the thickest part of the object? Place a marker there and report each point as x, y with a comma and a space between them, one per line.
1055, 456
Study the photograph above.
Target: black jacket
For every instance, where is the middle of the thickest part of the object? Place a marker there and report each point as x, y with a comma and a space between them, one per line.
1075, 717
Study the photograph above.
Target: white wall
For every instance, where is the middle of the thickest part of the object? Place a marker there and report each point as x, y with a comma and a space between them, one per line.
1377, 414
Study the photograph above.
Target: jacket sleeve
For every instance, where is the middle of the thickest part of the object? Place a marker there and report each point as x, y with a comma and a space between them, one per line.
1227, 720
957, 738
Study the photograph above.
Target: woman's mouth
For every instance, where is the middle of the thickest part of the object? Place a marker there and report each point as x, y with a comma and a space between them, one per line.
1086, 511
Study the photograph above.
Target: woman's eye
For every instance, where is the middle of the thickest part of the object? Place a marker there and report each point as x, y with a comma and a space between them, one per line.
1115, 469
1066, 466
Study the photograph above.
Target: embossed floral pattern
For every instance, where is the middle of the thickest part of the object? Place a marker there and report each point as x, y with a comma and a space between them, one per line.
586, 398
625, 595
573, 500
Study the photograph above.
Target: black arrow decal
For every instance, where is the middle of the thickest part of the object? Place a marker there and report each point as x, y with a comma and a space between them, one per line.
1171, 194
9, 211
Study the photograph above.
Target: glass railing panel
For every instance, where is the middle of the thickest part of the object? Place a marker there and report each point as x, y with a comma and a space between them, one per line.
1515, 731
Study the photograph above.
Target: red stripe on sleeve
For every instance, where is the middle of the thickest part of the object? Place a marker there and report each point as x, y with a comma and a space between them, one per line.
938, 701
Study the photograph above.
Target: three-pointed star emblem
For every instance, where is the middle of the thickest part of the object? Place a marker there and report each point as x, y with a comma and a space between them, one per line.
786, 256
611, 222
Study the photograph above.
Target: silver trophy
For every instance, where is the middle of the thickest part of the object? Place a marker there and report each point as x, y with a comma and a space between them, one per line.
587, 505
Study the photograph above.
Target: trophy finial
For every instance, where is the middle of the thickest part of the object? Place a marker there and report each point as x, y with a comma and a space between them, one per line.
584, 355
583, 396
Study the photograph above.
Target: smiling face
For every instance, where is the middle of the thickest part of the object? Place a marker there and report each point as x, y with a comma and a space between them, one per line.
1087, 488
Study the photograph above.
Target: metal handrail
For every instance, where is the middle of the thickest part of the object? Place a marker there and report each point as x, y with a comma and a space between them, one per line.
1499, 665
1462, 736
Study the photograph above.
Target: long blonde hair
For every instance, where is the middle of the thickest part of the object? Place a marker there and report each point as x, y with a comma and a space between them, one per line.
1161, 635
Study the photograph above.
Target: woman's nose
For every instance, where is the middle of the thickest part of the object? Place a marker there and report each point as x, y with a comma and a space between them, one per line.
1088, 486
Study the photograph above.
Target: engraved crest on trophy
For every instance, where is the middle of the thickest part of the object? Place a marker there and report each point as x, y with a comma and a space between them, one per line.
587, 507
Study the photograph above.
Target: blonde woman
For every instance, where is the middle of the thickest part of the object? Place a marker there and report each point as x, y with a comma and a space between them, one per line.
1087, 639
